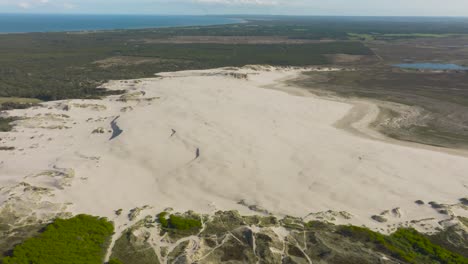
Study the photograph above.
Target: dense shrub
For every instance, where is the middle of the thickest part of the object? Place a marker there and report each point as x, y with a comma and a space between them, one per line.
81, 239
178, 222
162, 219
181, 223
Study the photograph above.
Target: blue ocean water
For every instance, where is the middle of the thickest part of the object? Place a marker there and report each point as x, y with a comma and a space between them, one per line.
431, 66
20, 23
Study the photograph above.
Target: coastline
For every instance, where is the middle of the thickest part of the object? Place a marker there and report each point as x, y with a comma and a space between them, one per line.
227, 20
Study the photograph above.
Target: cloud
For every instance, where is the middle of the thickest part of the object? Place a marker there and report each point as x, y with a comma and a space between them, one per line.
69, 6
238, 2
38, 4
285, 7
24, 5
29, 3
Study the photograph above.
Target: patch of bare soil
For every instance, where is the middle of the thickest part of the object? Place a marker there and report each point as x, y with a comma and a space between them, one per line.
447, 49
233, 40
129, 61
346, 59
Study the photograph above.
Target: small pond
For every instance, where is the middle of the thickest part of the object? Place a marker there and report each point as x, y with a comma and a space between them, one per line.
431, 66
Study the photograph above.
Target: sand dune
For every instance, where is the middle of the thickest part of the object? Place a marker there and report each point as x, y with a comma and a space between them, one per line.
206, 140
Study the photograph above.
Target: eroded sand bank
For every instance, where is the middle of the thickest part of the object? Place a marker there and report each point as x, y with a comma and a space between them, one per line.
207, 140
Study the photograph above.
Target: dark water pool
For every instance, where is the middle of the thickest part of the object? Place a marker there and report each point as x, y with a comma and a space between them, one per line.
116, 131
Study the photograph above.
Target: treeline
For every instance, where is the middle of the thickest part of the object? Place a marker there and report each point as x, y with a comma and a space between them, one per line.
62, 66
52, 66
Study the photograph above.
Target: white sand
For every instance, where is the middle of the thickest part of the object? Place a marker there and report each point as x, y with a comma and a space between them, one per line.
272, 149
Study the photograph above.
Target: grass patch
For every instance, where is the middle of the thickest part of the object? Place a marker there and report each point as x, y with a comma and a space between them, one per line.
19, 100
5, 124
129, 249
8, 103
405, 244
81, 239
376, 36
115, 261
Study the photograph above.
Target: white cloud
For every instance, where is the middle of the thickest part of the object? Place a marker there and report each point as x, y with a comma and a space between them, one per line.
288, 7
24, 5
238, 2
38, 4
69, 6
30, 3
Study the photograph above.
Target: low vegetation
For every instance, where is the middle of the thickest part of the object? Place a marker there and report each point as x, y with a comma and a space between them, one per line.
439, 101
115, 261
131, 249
5, 124
84, 240
407, 245
81, 239
8, 103
377, 36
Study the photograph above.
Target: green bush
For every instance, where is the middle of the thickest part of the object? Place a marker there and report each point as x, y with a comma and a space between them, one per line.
181, 223
81, 239
162, 219
178, 222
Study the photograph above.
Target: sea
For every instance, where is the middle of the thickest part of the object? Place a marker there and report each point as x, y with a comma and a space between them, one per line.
22, 23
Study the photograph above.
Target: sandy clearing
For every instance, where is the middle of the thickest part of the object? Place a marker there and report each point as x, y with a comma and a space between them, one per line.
231, 40
278, 151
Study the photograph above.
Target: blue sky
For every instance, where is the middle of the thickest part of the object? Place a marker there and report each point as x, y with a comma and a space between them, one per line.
272, 7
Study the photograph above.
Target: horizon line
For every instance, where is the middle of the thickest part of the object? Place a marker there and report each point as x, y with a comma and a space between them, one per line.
236, 14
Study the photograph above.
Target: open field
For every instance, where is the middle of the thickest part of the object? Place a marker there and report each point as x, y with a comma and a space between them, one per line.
234, 40
405, 36
442, 49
